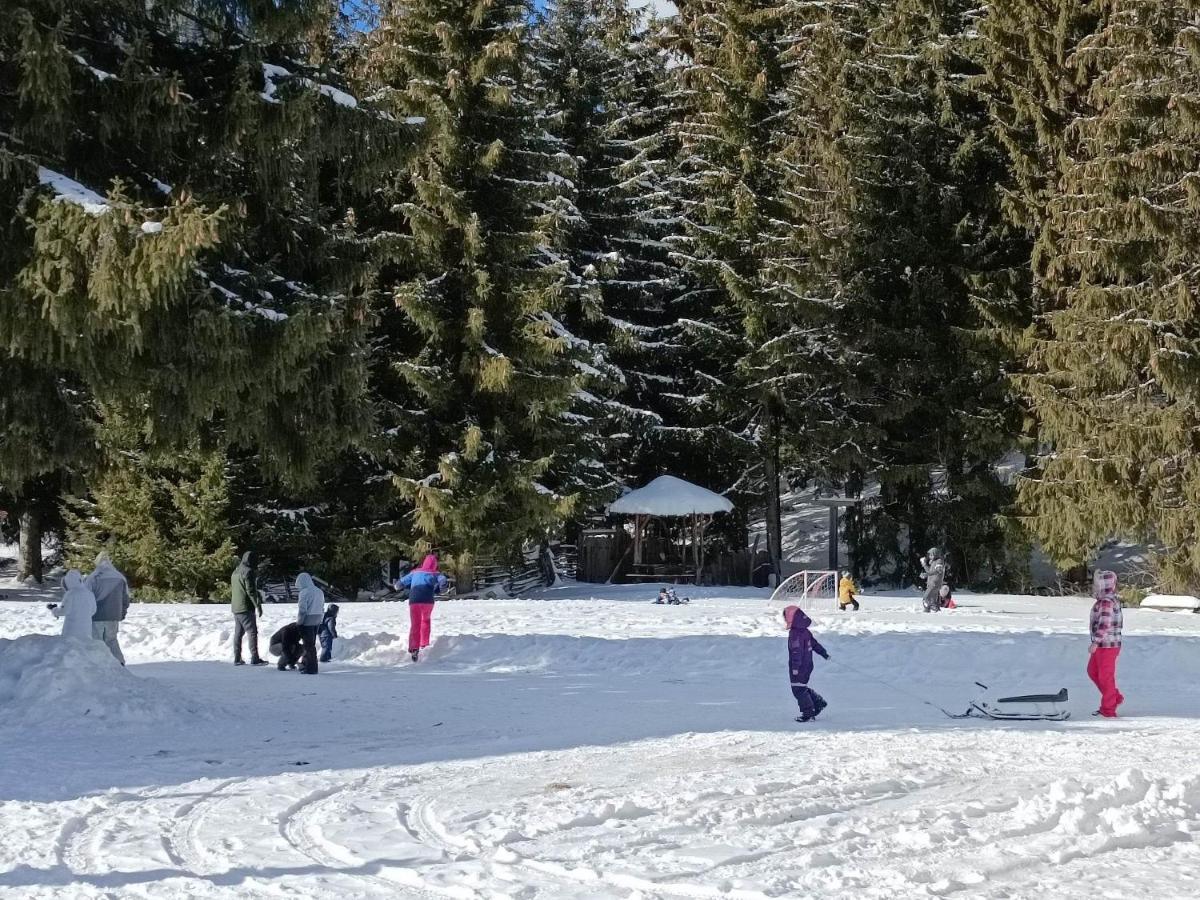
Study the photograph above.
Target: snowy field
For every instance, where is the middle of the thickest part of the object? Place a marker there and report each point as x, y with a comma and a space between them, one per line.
570, 747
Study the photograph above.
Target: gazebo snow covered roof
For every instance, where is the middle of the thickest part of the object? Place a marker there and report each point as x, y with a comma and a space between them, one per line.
670, 496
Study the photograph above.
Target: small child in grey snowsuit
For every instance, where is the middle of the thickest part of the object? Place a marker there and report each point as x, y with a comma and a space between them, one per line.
328, 631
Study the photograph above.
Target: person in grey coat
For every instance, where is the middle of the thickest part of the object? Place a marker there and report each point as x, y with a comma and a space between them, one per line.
933, 570
309, 615
112, 603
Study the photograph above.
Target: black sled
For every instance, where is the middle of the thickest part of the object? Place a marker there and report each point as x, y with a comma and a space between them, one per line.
1019, 708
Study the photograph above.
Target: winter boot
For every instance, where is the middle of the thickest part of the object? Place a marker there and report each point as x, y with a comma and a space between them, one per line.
821, 704
258, 662
415, 655
239, 662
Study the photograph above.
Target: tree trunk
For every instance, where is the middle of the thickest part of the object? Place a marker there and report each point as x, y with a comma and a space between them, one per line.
30, 563
774, 516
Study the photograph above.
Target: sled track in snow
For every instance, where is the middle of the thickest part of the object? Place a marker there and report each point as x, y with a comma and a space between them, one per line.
184, 844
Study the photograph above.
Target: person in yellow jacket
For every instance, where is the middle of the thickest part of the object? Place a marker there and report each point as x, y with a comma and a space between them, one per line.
846, 592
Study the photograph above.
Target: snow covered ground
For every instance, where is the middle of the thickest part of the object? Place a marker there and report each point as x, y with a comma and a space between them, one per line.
574, 746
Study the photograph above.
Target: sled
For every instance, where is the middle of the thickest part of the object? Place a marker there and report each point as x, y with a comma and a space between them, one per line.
1019, 708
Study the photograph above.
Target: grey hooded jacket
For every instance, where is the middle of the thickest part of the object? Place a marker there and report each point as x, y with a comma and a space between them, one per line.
111, 591
311, 609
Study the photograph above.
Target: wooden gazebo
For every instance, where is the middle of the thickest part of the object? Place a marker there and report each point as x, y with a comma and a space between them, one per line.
670, 497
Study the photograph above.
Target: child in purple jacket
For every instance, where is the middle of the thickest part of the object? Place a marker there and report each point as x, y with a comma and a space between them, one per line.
801, 645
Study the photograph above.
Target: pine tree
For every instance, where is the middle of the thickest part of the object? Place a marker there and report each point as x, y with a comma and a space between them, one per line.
1113, 355
733, 136
483, 211
901, 209
178, 246
163, 518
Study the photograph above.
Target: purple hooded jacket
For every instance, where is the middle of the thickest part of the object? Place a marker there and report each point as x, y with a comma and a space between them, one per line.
801, 645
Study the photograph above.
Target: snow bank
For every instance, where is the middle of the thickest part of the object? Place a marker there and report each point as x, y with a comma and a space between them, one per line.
1168, 601
55, 681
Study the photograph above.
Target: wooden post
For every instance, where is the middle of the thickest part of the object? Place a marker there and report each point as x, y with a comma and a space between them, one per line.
637, 539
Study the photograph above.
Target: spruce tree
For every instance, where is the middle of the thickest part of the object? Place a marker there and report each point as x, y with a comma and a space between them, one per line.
494, 455
901, 208
178, 247
1113, 355
608, 90
164, 518
733, 134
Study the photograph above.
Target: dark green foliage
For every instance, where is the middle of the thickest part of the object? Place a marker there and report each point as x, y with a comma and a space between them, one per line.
497, 452
178, 247
1114, 356
164, 520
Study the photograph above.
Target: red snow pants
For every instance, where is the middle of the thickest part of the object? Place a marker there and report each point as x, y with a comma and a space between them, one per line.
1102, 669
419, 615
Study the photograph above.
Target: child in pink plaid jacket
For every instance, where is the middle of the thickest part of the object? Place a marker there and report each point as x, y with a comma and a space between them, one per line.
1106, 624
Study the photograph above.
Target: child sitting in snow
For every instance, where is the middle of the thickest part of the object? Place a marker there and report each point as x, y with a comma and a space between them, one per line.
328, 631
946, 600
668, 596
801, 646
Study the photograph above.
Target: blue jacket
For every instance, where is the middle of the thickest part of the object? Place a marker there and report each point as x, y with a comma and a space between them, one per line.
423, 587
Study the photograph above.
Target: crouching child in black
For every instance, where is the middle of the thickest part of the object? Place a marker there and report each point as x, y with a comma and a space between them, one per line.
328, 631
287, 645
801, 646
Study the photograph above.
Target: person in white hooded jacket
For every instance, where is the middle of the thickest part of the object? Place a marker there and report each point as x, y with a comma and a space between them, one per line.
112, 603
77, 607
309, 615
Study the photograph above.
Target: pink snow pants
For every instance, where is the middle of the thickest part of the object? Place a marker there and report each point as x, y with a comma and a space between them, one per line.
1102, 669
419, 615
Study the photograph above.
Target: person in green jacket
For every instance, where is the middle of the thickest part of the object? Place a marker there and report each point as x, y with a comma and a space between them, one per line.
247, 607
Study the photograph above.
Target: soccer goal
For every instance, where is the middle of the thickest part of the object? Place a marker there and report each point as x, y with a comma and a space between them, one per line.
808, 589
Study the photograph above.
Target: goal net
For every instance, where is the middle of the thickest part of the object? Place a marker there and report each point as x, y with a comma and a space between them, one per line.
808, 589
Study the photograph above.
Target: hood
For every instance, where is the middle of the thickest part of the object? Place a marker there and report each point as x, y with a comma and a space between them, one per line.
249, 559
1104, 584
103, 561
72, 580
430, 564
795, 617
304, 582
331, 611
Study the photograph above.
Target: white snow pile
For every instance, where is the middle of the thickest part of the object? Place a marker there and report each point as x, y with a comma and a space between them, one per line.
49, 680
670, 496
1170, 601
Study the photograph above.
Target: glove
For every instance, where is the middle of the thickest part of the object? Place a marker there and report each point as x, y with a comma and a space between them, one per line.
51, 606
827, 657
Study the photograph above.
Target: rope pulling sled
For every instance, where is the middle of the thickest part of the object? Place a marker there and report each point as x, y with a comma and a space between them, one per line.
1019, 708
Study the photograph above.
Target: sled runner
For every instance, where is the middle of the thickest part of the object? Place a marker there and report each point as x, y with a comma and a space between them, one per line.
1022, 708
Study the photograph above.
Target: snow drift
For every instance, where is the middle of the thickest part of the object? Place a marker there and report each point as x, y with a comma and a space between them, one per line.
51, 680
